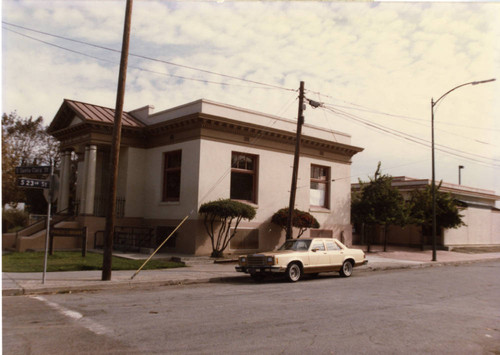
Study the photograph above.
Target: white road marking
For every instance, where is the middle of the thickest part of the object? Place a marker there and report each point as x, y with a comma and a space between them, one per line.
94, 327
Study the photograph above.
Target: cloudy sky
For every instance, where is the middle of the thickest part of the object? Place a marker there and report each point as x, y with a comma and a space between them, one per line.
375, 66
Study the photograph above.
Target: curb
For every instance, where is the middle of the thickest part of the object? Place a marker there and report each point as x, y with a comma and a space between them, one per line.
117, 285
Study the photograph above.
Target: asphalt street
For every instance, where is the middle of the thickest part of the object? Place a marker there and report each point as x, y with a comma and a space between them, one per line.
445, 310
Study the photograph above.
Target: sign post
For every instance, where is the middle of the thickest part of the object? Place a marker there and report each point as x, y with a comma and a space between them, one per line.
40, 184
47, 233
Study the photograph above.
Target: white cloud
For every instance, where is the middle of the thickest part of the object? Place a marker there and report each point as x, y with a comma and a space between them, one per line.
391, 57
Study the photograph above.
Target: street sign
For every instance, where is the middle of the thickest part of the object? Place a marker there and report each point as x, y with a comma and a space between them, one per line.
33, 183
33, 170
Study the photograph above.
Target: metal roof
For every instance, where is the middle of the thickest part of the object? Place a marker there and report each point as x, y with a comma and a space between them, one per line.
96, 113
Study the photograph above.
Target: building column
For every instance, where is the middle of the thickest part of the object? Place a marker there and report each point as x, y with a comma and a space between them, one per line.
64, 179
88, 193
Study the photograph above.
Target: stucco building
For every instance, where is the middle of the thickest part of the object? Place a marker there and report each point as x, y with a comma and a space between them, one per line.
481, 217
174, 160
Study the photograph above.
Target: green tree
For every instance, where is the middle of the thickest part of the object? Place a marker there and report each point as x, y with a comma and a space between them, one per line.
300, 219
221, 214
379, 203
25, 141
447, 210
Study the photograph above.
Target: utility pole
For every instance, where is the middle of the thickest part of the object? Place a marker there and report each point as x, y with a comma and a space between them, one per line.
300, 122
115, 148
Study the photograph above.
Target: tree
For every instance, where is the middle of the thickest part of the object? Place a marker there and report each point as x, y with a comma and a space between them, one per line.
222, 213
300, 219
25, 141
379, 203
447, 210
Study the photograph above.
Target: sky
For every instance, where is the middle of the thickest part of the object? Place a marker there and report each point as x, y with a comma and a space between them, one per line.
374, 67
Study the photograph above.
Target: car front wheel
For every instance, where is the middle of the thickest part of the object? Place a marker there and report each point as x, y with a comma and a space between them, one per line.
346, 269
293, 272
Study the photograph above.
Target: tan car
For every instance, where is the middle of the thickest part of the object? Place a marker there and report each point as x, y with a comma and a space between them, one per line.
303, 256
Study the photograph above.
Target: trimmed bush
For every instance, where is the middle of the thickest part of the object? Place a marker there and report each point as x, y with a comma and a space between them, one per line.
300, 219
224, 212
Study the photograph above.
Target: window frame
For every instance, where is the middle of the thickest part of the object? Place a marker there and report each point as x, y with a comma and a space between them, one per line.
326, 182
164, 194
254, 173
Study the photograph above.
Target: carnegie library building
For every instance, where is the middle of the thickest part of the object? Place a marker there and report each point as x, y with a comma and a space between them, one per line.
173, 161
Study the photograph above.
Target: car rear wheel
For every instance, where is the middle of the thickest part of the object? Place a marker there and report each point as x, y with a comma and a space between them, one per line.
293, 272
346, 269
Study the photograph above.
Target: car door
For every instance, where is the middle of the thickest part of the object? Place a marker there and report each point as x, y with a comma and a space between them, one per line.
335, 253
318, 255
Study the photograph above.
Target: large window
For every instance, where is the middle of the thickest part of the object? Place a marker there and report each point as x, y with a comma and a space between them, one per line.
243, 177
172, 176
320, 177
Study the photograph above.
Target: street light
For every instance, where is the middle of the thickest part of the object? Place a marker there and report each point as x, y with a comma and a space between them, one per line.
460, 167
433, 182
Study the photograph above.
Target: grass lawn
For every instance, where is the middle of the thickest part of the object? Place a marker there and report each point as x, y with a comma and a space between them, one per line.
73, 261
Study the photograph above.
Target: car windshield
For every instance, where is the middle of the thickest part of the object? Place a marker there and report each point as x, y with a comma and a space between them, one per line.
296, 245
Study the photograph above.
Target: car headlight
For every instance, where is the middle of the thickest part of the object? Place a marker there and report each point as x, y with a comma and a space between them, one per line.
243, 260
270, 260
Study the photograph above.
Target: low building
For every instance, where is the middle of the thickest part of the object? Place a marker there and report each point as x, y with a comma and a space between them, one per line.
481, 217
173, 161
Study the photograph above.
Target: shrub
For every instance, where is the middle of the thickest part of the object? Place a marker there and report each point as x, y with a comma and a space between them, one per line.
13, 220
224, 212
300, 219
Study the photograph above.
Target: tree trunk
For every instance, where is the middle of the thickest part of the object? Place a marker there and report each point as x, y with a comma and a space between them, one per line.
385, 237
368, 237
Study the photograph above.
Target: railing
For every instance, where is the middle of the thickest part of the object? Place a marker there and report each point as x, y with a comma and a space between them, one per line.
42, 224
133, 238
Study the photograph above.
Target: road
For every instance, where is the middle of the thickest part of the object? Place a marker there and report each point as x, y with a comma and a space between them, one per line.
438, 310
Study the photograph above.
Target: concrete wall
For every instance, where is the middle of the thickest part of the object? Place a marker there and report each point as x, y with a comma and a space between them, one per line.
133, 191
273, 191
482, 228
152, 181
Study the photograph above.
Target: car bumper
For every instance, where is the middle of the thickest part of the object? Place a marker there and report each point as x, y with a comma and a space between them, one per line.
364, 262
259, 269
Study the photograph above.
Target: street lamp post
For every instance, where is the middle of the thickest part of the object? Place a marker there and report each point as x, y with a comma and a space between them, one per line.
460, 167
433, 182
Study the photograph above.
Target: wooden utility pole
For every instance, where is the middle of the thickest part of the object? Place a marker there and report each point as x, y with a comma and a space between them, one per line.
300, 122
115, 148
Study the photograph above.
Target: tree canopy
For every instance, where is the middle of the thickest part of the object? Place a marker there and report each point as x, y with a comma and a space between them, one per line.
447, 209
300, 219
379, 203
25, 141
222, 213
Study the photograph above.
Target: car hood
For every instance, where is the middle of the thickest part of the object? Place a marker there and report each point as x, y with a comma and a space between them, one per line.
278, 252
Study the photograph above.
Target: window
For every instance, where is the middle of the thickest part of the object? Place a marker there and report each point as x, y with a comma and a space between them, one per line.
332, 246
172, 176
318, 246
243, 177
320, 177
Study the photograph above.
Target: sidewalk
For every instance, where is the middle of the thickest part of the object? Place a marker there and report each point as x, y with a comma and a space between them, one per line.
204, 270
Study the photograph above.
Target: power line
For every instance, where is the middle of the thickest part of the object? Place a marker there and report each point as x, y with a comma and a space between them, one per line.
349, 115
413, 139
426, 124
370, 110
142, 57
115, 63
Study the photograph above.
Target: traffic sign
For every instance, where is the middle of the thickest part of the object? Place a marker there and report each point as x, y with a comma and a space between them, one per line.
33, 170
33, 183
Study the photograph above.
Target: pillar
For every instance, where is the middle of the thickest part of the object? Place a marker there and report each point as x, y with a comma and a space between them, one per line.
88, 193
64, 181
